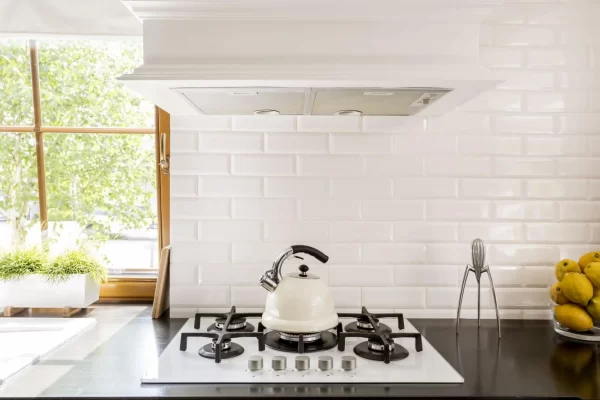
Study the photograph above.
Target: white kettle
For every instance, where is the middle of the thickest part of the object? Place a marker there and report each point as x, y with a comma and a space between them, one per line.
298, 302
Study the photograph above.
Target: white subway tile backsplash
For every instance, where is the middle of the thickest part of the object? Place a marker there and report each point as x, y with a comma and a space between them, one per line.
329, 165
361, 231
361, 188
264, 209
231, 142
494, 188
350, 143
293, 143
262, 165
395, 201
390, 210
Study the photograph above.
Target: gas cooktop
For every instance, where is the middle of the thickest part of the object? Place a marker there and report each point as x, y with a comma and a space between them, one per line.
364, 348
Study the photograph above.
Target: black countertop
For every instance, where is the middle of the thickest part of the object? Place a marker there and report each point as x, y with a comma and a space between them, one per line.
529, 361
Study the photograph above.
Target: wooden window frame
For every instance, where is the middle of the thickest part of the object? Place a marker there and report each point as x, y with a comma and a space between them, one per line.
117, 288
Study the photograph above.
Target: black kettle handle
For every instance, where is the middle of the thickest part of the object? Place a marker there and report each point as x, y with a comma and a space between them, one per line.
318, 254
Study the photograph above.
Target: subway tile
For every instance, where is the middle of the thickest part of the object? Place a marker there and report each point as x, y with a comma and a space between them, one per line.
347, 298
556, 189
296, 187
184, 230
524, 79
361, 231
573, 251
524, 166
294, 143
393, 253
361, 275
458, 166
593, 189
231, 142
229, 186
393, 166
198, 252
382, 297
502, 276
360, 143
264, 209
257, 252
595, 232
556, 58
425, 232
556, 102
501, 57
517, 210
249, 296
319, 123
296, 231
521, 254
538, 276
582, 123
390, 210
425, 188
521, 35
200, 123
196, 296
579, 211
448, 298
200, 208
264, 123
424, 144
444, 254
329, 209
495, 188
556, 146
328, 165
522, 297
393, 124
361, 188
425, 275
264, 165
489, 145
453, 210
183, 274
229, 231
579, 167
494, 100
346, 253
578, 80
490, 232
184, 142
230, 274
200, 164
594, 100
458, 122
524, 124
184, 186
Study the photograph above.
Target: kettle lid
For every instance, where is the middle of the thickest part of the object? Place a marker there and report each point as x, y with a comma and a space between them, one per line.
303, 274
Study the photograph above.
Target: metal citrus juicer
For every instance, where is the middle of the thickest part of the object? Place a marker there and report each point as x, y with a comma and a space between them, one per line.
478, 268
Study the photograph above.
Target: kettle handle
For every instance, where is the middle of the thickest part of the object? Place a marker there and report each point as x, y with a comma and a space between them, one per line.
318, 254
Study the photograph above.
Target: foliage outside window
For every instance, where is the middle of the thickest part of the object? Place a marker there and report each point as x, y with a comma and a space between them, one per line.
97, 185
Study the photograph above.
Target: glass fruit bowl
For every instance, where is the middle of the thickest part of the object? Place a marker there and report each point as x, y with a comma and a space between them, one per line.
575, 302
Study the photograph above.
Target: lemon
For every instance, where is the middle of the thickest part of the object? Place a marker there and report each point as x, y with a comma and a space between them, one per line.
577, 288
592, 271
557, 295
573, 317
564, 266
593, 308
588, 258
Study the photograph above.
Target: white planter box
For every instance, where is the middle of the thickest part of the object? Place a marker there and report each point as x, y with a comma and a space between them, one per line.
79, 291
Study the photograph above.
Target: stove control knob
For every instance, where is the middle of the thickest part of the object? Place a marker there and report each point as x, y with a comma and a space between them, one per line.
325, 363
348, 363
302, 363
279, 363
255, 363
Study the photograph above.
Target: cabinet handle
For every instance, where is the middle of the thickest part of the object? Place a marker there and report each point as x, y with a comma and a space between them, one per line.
164, 159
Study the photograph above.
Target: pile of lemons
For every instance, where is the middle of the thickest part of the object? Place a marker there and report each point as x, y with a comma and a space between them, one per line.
577, 292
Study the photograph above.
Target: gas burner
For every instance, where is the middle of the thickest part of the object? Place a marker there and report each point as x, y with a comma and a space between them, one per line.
228, 349
364, 321
375, 350
380, 346
295, 337
226, 327
301, 342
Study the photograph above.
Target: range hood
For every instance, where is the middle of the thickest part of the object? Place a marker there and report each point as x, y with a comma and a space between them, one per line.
311, 57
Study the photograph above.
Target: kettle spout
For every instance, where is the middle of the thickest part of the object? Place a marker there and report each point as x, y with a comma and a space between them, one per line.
267, 283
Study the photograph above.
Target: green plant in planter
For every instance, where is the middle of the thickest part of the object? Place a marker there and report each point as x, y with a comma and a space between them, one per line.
75, 262
16, 264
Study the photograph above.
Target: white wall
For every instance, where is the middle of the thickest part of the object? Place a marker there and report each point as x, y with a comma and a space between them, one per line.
396, 207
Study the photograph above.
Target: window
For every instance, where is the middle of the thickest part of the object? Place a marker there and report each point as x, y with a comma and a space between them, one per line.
77, 151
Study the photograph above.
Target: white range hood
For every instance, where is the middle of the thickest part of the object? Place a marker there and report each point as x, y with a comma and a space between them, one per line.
311, 57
